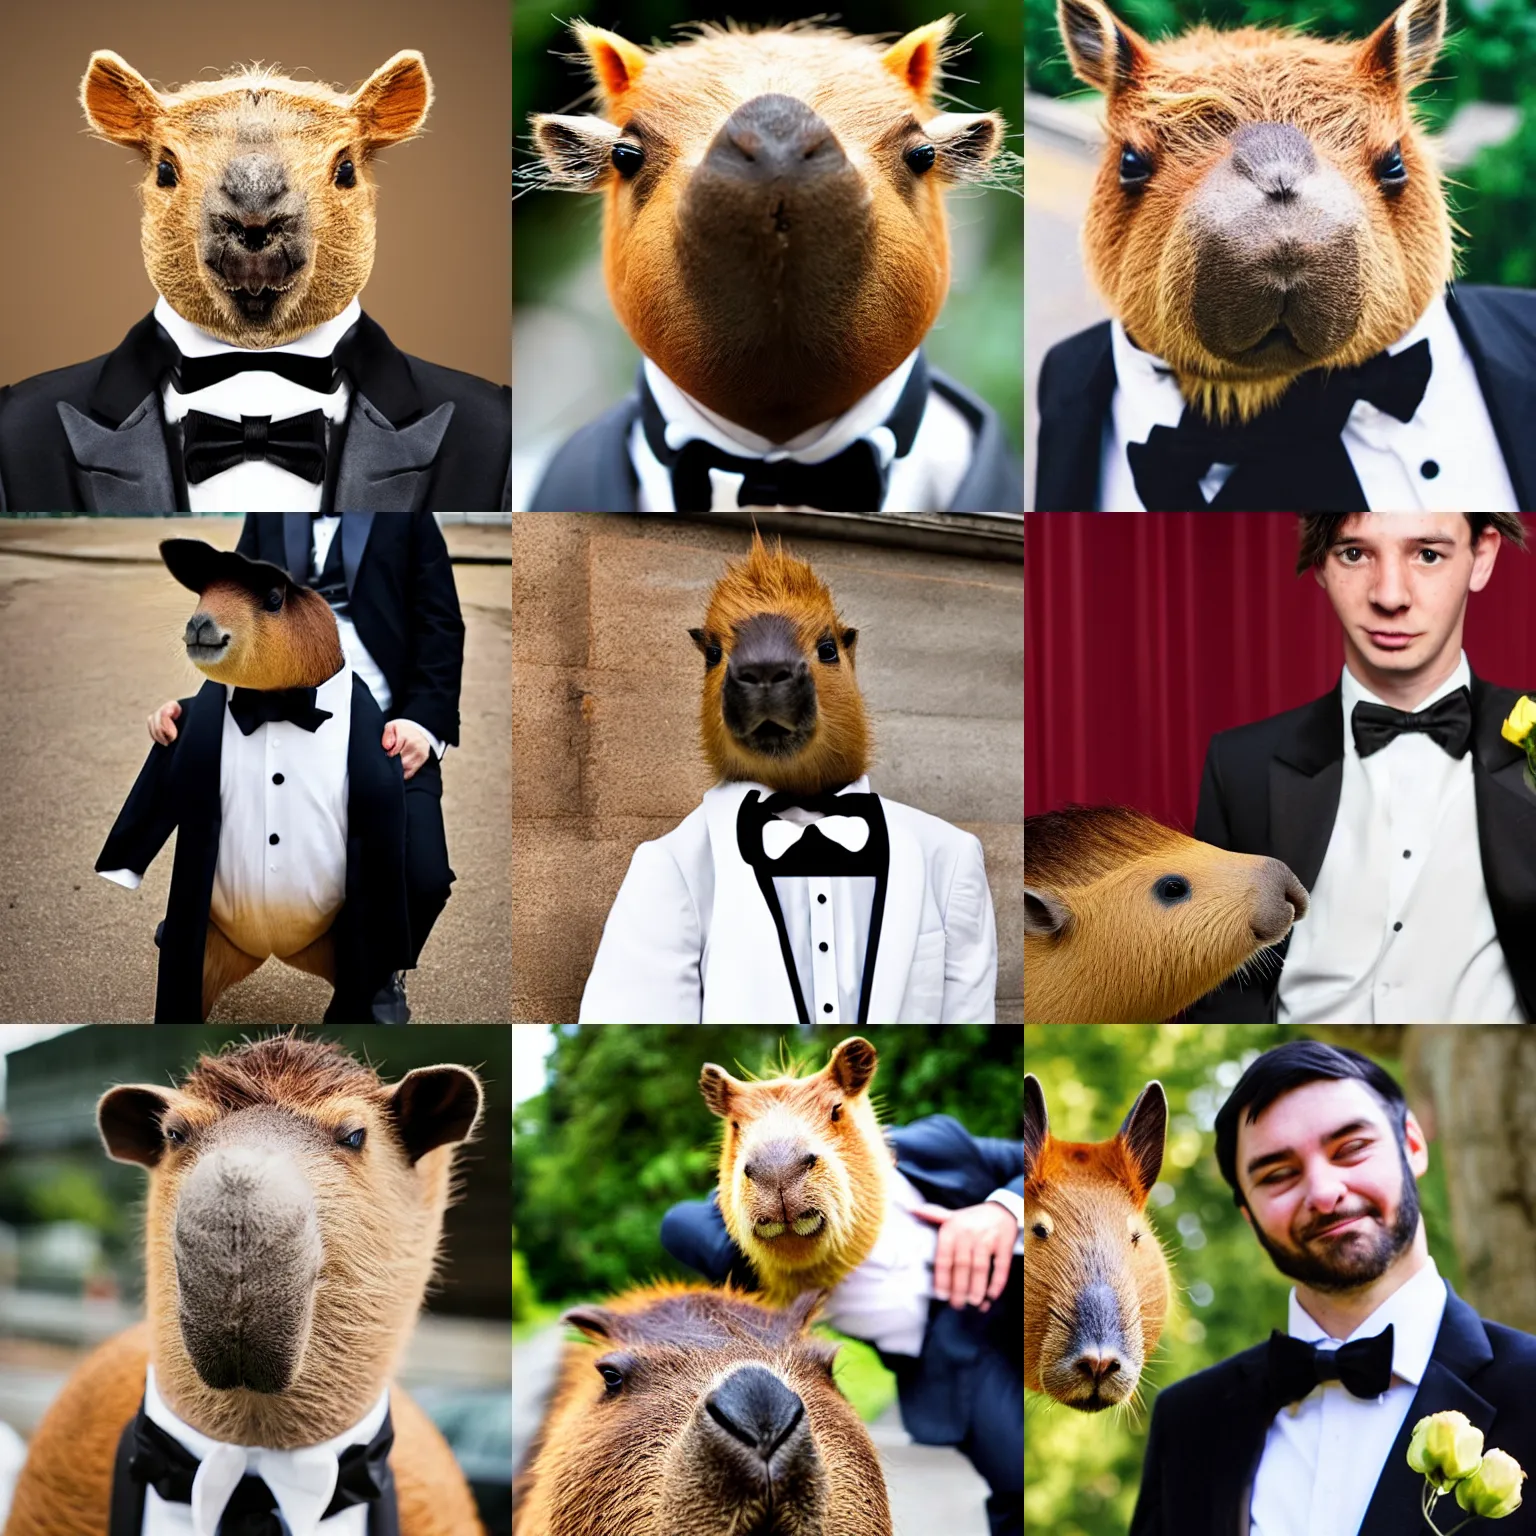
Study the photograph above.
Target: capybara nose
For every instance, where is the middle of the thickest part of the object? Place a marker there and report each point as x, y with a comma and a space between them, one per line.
769, 671
1098, 1365
1279, 899
254, 185
778, 1164
775, 137
753, 1406
766, 654
203, 630
1275, 157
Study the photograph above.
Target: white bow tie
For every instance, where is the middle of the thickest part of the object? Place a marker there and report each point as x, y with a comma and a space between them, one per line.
779, 836
302, 1482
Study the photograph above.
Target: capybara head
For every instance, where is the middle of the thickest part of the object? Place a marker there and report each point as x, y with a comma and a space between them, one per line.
774, 235
695, 1412
1095, 1279
258, 190
295, 1207
1129, 921
1267, 203
803, 1169
254, 626
781, 705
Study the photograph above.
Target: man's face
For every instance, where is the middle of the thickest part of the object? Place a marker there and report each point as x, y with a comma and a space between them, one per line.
1330, 1192
1398, 582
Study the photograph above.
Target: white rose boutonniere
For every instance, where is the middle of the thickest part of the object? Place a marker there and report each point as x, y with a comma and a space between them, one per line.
1447, 1448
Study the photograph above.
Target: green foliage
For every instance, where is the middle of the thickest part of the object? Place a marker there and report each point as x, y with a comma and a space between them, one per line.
620, 1132
1491, 200
1081, 1471
524, 1297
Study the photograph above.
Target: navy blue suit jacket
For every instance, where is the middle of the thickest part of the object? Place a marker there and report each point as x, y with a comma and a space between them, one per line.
949, 1167
1208, 1434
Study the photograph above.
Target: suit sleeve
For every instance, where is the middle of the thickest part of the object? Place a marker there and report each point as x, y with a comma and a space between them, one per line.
149, 815
693, 1232
970, 943
647, 965
1211, 825
431, 693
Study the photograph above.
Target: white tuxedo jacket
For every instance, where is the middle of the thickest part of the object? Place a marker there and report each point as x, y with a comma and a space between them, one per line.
690, 938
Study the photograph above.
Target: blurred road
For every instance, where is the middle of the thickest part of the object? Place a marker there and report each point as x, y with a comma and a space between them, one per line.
90, 625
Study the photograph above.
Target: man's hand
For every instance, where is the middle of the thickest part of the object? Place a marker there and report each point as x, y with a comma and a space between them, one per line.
971, 1241
407, 741
162, 723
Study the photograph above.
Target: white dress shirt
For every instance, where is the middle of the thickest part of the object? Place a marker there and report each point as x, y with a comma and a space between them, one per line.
257, 485
1445, 458
1399, 929
924, 481
885, 1300
1323, 1456
302, 1481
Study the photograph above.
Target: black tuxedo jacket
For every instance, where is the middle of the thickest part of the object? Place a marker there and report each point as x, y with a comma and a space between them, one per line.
949, 1167
1208, 1434
178, 787
593, 472
1077, 382
1273, 788
93, 437
404, 602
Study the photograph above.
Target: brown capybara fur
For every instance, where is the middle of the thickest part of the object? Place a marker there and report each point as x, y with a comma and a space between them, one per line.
781, 704
1281, 209
775, 294
258, 194
639, 1446
286, 1259
803, 1169
1095, 1279
1128, 921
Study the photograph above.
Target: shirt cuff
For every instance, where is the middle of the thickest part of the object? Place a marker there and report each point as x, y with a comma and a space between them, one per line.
123, 877
1014, 1205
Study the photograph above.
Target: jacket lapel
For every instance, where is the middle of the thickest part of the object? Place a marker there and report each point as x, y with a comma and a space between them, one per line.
1218, 1501
904, 888
122, 469
1077, 386
1305, 778
1501, 360
386, 468
354, 539
298, 545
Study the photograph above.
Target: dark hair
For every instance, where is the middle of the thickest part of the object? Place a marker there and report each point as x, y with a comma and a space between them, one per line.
1288, 1066
1318, 530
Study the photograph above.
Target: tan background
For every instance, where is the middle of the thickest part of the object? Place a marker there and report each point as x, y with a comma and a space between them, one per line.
72, 280
605, 688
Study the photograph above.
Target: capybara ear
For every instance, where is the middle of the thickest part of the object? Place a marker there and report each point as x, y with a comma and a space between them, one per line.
1104, 52
852, 1065
392, 103
966, 142
1403, 49
434, 1106
595, 1322
129, 1117
850, 638
717, 1085
1143, 1133
804, 1307
190, 561
120, 104
1037, 1125
576, 151
1045, 913
617, 63
916, 58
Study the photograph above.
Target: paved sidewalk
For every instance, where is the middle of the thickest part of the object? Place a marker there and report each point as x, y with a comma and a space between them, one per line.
90, 626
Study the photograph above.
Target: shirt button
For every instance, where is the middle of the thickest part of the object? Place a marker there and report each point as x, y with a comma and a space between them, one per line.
274, 839
277, 778
822, 900
822, 946
1397, 927
1407, 853
826, 1007
1429, 469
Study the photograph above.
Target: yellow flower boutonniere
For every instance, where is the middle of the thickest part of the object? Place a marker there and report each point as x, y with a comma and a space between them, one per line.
1448, 1450
1520, 731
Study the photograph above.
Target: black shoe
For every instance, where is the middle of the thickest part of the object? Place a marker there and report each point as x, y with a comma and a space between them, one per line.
389, 1004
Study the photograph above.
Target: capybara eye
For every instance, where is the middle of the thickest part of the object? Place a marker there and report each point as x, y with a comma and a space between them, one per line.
827, 651
1171, 889
346, 174
1135, 168
627, 159
273, 602
837, 1113
175, 1136
1390, 170
613, 1377
921, 157
1040, 1230
355, 1140
165, 174
712, 654
1135, 1238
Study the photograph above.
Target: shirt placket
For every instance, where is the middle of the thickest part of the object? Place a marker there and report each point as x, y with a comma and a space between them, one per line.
275, 822
824, 1002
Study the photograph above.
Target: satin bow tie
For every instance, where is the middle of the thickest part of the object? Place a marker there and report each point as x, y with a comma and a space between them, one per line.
850, 832
252, 707
1287, 458
850, 838
195, 373
232, 1501
854, 480
211, 444
1447, 722
1363, 1368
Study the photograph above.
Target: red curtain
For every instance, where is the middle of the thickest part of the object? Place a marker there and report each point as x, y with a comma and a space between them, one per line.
1147, 632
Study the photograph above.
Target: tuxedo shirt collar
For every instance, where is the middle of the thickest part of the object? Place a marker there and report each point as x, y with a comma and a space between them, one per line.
803, 817
192, 341
334, 694
296, 1477
1352, 691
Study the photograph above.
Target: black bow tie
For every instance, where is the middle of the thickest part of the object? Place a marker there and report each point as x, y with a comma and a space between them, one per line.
194, 373
850, 481
811, 853
1364, 1368
161, 1462
210, 444
252, 707
1287, 458
1448, 722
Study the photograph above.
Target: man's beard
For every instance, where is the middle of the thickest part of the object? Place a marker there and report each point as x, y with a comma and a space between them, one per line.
1357, 1262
